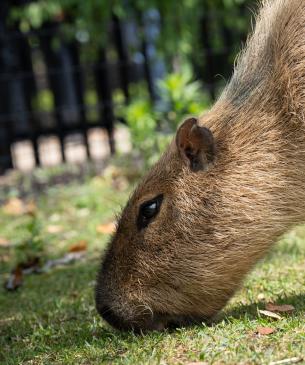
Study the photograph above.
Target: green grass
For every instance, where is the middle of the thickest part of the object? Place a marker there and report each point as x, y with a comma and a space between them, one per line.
51, 319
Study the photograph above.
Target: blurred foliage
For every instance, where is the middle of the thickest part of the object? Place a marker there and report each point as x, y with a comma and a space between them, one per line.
180, 27
33, 244
152, 128
44, 101
88, 19
142, 123
181, 96
180, 45
85, 19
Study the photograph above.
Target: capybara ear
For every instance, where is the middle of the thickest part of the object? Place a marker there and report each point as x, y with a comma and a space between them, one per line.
195, 145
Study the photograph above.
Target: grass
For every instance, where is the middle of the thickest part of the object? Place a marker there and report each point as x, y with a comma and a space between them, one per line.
51, 319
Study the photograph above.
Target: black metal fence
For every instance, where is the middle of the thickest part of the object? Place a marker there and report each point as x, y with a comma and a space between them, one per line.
45, 84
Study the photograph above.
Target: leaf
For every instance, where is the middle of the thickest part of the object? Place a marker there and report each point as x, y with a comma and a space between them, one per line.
280, 308
53, 229
14, 207
265, 330
15, 280
261, 296
5, 258
30, 266
269, 314
17, 207
4, 242
120, 183
78, 246
67, 259
106, 228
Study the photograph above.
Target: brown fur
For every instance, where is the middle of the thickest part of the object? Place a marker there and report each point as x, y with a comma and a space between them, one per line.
216, 223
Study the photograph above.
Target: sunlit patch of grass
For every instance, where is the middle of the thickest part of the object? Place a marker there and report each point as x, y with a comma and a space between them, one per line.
52, 319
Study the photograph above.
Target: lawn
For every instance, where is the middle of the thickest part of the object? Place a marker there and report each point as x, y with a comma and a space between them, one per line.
51, 318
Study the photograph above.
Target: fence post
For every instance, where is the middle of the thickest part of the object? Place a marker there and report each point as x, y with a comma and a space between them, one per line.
29, 90
17, 86
123, 55
5, 138
55, 82
154, 67
105, 96
79, 90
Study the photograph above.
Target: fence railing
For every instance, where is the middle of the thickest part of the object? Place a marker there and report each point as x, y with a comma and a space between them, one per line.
46, 89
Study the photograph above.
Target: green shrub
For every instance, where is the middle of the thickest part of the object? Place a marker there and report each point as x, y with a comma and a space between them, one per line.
152, 128
142, 124
181, 96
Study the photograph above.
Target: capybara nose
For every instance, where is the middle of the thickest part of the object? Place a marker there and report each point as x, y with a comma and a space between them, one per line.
113, 319
120, 323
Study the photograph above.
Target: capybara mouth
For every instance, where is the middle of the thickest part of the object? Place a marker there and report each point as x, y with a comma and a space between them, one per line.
158, 322
173, 322
162, 322
113, 319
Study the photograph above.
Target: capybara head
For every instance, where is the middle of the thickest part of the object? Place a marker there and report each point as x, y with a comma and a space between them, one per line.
217, 198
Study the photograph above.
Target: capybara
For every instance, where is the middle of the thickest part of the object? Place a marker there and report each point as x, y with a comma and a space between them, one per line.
227, 187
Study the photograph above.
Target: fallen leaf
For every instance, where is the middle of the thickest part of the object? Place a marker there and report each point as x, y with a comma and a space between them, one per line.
30, 266
54, 229
106, 228
265, 330
79, 246
5, 258
120, 183
269, 314
280, 308
16, 207
15, 280
261, 296
33, 265
65, 260
4, 242
24, 268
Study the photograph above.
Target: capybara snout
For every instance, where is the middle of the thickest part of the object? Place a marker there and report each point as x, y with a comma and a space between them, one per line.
229, 185
157, 272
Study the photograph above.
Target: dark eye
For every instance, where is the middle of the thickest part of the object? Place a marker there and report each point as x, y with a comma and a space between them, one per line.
148, 211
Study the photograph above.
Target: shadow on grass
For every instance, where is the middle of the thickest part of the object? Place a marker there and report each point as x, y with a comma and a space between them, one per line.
53, 315
250, 311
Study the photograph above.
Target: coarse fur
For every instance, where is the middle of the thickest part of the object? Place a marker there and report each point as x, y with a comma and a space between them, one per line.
216, 223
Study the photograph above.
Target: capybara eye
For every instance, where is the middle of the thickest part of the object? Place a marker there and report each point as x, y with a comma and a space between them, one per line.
148, 211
